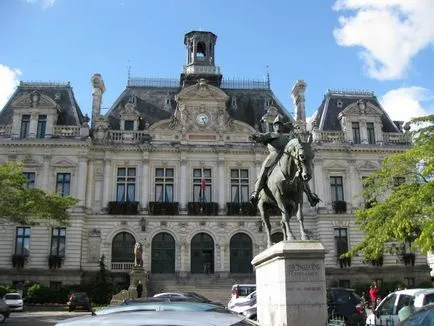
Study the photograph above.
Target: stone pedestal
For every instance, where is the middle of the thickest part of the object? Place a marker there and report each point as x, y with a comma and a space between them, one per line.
138, 274
291, 284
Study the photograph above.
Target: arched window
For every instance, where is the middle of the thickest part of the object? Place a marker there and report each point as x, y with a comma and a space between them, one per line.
163, 253
202, 254
123, 247
241, 253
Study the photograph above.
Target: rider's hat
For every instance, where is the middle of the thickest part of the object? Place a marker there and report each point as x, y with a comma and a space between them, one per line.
279, 119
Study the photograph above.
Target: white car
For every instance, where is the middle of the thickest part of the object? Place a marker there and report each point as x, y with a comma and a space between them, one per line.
14, 301
244, 305
387, 311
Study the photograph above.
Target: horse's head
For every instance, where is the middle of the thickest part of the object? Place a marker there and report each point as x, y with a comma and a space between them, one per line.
303, 154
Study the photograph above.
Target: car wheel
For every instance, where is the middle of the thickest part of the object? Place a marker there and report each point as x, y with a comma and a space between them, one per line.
2, 318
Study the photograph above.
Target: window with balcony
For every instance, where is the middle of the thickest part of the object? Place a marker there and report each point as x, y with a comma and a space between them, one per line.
202, 185
164, 184
25, 126
129, 125
239, 185
22, 241
63, 184
337, 194
126, 185
356, 132
42, 126
341, 244
58, 236
30, 176
371, 132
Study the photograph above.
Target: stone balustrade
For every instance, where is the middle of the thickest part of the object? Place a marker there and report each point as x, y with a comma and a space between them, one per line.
396, 138
328, 136
66, 131
122, 266
5, 130
128, 136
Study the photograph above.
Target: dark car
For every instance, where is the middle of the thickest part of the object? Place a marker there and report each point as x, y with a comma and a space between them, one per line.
79, 300
4, 311
345, 304
422, 317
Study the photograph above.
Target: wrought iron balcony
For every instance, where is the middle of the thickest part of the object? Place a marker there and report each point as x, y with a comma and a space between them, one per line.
246, 209
18, 261
163, 208
199, 208
55, 261
123, 207
340, 206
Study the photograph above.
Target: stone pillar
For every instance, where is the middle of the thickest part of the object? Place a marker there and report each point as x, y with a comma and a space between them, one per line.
106, 185
221, 183
296, 294
33, 125
145, 183
138, 274
298, 99
90, 185
363, 133
81, 181
98, 90
45, 177
183, 184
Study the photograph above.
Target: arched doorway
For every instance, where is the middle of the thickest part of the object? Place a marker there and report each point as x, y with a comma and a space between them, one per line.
123, 247
163, 253
277, 237
202, 254
241, 253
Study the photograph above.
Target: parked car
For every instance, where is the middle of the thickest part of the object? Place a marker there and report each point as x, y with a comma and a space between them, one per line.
4, 311
14, 301
345, 304
423, 317
241, 290
157, 304
244, 305
155, 318
192, 296
79, 300
387, 311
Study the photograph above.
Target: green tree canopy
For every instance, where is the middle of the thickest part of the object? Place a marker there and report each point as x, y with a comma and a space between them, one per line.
29, 206
401, 194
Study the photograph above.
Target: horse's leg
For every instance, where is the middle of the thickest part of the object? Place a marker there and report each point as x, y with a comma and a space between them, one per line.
300, 218
266, 220
286, 215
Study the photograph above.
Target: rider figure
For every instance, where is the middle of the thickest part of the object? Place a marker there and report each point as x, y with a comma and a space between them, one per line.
276, 142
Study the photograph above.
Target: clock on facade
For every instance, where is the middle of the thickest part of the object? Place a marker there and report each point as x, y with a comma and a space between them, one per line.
202, 119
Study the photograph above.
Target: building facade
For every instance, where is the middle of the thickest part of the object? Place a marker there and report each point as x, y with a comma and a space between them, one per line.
172, 165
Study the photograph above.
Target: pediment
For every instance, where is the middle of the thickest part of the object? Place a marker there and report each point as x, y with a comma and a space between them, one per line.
202, 90
30, 162
361, 108
34, 99
129, 112
63, 163
367, 165
335, 165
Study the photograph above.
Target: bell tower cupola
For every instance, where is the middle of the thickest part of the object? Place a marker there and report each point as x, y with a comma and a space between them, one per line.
200, 59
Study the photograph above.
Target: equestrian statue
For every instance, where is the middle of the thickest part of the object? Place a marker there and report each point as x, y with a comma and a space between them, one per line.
283, 178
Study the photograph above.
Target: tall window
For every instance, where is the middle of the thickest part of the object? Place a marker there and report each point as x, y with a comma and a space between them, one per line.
58, 236
337, 188
164, 184
202, 185
25, 126
129, 125
30, 176
63, 184
239, 185
371, 132
22, 241
356, 133
341, 241
42, 126
126, 184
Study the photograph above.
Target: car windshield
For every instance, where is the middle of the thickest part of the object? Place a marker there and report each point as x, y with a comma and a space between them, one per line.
421, 318
12, 297
197, 296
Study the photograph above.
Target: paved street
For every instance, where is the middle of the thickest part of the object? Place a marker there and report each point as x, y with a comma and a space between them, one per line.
40, 318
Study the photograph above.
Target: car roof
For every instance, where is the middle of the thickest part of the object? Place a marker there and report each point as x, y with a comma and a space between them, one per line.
415, 292
142, 318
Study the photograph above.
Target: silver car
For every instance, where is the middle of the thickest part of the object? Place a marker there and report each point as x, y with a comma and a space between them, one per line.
156, 318
4, 311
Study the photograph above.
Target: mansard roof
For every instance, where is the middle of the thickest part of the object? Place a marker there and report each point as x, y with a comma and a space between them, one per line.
248, 100
335, 102
69, 113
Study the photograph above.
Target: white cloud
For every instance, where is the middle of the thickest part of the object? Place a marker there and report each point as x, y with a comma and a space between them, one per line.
9, 79
390, 32
45, 3
402, 104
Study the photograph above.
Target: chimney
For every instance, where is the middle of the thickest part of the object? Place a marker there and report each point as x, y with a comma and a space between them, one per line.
298, 100
98, 90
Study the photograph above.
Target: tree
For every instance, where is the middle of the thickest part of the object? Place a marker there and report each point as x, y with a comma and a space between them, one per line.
401, 198
29, 206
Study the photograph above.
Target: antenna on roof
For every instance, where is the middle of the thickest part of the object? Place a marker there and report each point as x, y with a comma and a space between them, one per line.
268, 76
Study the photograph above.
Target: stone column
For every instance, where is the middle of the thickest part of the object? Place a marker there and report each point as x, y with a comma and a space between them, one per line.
296, 294
81, 181
363, 133
90, 185
221, 183
145, 182
106, 185
182, 184
298, 99
45, 177
33, 125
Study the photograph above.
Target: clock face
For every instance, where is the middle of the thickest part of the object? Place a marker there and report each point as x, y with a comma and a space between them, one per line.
202, 119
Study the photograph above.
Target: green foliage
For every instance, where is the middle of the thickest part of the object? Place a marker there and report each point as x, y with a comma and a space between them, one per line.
102, 285
5, 288
403, 211
29, 206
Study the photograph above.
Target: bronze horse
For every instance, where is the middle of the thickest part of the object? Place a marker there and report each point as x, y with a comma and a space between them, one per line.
284, 187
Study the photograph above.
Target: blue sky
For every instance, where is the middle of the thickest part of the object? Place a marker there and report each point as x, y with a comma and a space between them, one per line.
383, 46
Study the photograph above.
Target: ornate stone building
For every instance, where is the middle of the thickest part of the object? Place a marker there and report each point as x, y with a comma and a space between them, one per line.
171, 165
